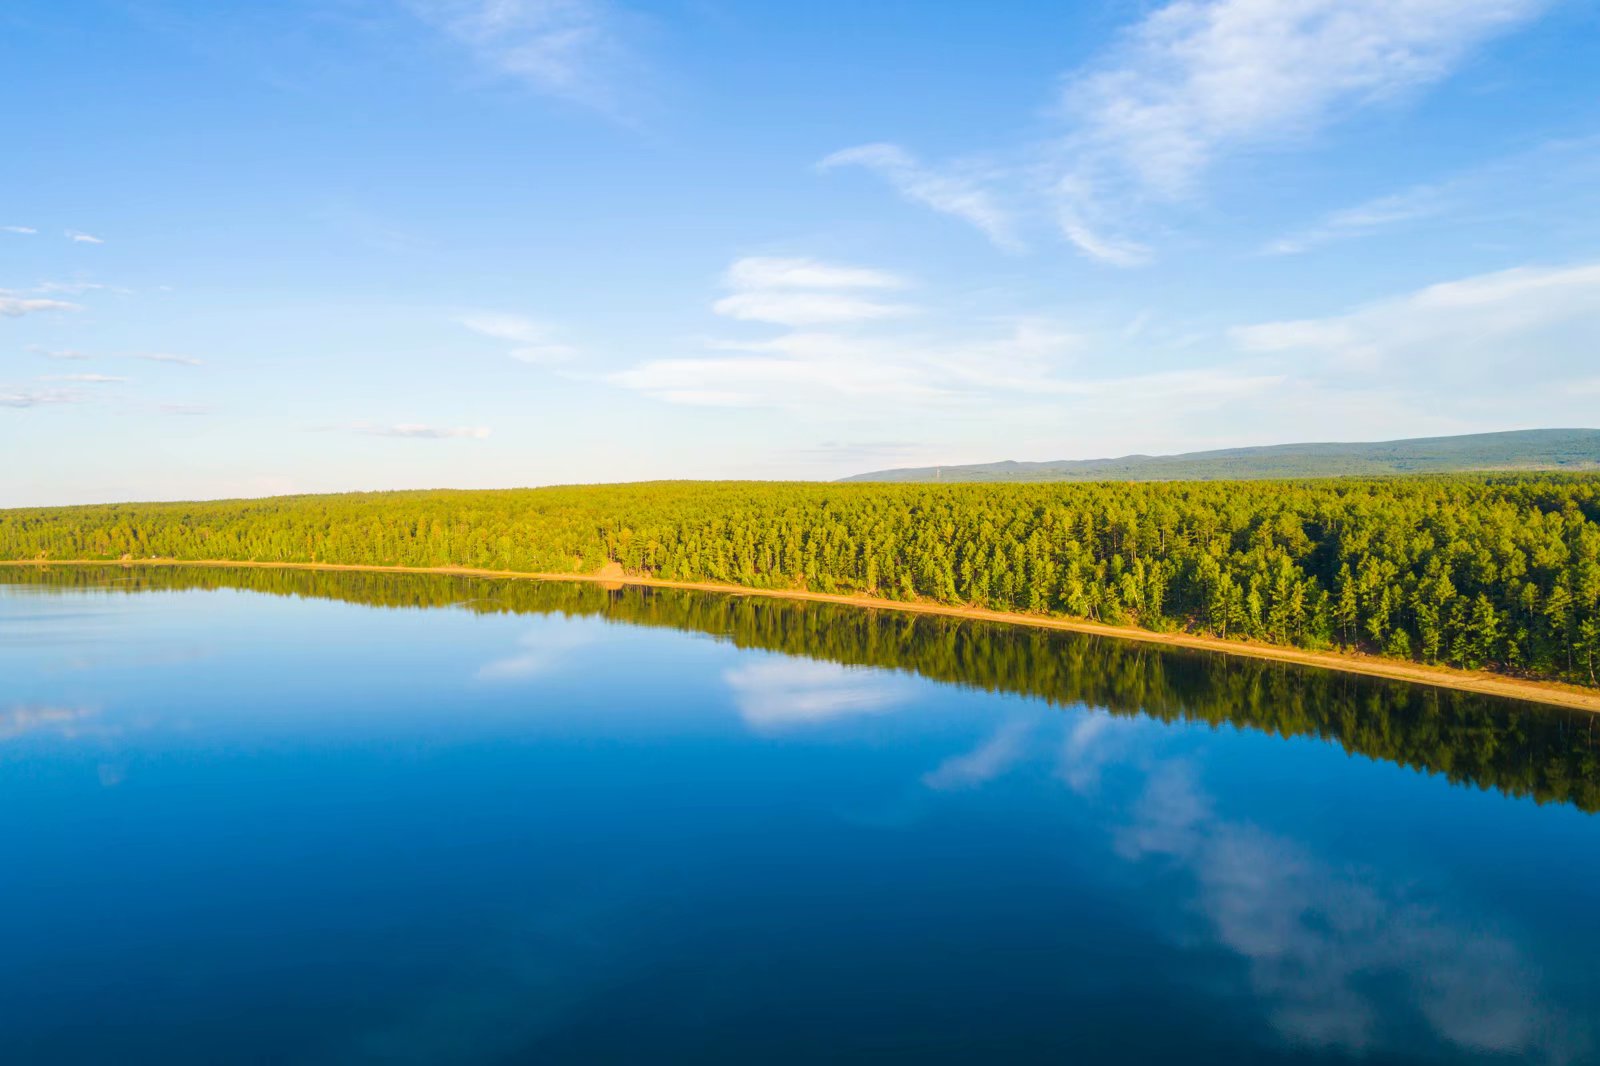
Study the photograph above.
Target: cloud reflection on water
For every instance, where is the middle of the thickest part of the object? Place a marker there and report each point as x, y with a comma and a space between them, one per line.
781, 693
1340, 955
68, 722
1005, 747
539, 653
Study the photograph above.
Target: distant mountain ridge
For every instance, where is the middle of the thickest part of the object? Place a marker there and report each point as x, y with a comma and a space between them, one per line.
1522, 450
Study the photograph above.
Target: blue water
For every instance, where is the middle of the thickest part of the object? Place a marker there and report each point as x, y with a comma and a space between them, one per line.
240, 827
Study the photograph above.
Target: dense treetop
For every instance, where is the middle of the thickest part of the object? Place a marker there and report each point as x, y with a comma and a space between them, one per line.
1499, 572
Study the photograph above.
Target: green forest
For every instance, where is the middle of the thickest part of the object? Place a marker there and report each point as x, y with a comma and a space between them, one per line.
1552, 756
1496, 572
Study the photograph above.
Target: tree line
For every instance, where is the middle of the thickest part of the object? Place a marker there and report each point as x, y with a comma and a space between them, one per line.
1496, 572
1551, 755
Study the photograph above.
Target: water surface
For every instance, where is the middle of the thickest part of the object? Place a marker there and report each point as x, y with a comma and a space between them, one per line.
265, 816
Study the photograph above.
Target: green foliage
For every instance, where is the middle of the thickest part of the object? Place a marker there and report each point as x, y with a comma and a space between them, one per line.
1546, 753
1497, 572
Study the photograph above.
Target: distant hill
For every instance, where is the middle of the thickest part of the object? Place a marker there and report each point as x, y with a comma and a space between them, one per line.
1523, 449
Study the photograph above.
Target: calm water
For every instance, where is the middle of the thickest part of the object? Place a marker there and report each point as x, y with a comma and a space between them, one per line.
405, 819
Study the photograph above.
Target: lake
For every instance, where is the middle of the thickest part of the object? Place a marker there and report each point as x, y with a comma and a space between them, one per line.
268, 816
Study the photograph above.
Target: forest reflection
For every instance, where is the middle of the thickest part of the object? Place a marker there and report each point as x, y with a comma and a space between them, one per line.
1520, 749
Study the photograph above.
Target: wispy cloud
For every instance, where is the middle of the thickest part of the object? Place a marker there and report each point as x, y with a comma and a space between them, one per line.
799, 368
816, 385
950, 191
72, 287
35, 398
169, 357
533, 339
57, 353
1140, 126
418, 431
88, 379
571, 49
12, 306
1535, 322
1070, 215
805, 308
25, 230
770, 272
1194, 80
1369, 217
79, 237
1553, 180
806, 292
843, 356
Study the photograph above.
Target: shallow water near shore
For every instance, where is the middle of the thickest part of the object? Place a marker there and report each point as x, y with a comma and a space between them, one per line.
323, 818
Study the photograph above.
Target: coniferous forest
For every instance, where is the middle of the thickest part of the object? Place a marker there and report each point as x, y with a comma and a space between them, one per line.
1494, 572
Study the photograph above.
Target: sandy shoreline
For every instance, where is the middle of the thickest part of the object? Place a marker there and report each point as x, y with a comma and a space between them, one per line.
1549, 692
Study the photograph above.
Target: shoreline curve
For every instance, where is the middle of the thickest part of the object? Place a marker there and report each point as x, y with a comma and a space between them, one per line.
1553, 693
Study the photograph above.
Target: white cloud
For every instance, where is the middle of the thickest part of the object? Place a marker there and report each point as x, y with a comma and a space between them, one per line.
765, 272
805, 292
532, 339
58, 353
79, 237
840, 358
17, 306
1542, 187
1193, 79
570, 49
1117, 251
805, 308
18, 229
90, 379
948, 191
781, 693
33, 398
168, 357
837, 375
419, 431
73, 287
794, 383
1196, 80
1379, 213
1530, 322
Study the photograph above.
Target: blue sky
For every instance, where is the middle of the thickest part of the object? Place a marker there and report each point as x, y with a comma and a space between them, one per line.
352, 244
